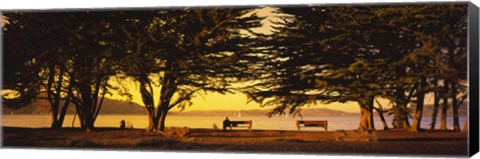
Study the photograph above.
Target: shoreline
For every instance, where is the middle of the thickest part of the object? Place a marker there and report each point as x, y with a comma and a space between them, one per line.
441, 143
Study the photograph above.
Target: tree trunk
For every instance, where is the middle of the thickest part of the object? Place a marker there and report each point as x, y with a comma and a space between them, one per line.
161, 123
380, 112
366, 114
89, 107
77, 113
63, 112
54, 104
400, 117
57, 124
88, 118
151, 124
61, 116
55, 120
443, 122
169, 87
465, 126
85, 108
81, 119
453, 86
420, 103
436, 105
51, 96
382, 118
85, 105
146, 91
456, 121
89, 125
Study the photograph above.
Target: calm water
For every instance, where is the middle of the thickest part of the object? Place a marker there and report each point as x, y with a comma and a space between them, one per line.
259, 122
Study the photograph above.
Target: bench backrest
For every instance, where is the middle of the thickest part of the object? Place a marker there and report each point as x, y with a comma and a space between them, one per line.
236, 123
240, 122
313, 123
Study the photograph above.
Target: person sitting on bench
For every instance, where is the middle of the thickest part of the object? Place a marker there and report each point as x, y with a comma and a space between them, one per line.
122, 124
226, 123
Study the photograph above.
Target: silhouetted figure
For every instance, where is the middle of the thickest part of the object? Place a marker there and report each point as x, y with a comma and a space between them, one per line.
122, 124
226, 123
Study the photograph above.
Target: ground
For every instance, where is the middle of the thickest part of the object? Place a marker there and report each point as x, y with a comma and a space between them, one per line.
437, 143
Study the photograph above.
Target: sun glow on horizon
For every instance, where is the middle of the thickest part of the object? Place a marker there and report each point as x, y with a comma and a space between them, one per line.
216, 101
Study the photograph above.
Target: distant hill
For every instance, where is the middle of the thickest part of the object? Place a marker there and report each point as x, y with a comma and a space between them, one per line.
110, 106
259, 112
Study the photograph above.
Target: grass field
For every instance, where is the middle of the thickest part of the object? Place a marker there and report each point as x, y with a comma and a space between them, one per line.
437, 143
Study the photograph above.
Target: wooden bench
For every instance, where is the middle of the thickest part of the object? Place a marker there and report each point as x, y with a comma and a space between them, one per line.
248, 124
312, 123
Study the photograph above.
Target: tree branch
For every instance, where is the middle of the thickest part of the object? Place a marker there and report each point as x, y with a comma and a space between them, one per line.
181, 99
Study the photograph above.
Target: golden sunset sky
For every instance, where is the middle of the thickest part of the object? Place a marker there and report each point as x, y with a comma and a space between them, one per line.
237, 101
